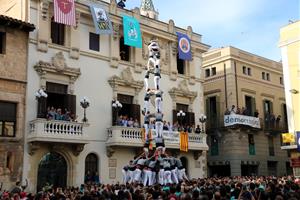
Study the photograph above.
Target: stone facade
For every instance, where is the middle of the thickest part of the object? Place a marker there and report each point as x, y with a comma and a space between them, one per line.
232, 76
102, 76
13, 82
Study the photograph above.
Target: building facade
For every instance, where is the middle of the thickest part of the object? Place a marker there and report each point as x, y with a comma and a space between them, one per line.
244, 139
13, 81
290, 48
69, 63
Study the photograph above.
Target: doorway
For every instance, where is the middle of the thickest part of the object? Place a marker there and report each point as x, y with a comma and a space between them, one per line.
52, 170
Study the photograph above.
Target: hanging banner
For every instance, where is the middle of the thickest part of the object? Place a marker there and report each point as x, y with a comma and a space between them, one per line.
64, 12
298, 141
288, 138
184, 142
184, 47
132, 32
233, 119
101, 20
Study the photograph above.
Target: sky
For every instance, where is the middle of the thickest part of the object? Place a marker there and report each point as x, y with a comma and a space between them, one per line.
251, 25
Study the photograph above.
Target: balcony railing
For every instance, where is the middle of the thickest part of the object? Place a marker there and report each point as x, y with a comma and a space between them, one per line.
123, 136
43, 130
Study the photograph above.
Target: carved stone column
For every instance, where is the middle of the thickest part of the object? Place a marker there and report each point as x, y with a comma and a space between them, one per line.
115, 46
43, 35
75, 39
173, 61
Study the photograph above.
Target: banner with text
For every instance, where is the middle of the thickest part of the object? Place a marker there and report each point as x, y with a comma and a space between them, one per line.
132, 32
230, 120
101, 20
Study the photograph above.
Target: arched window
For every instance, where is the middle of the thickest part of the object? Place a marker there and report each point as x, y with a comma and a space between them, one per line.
91, 164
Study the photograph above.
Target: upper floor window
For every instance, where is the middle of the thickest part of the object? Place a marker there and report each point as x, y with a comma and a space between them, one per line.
250, 107
94, 42
244, 70
263, 75
8, 119
214, 146
124, 50
180, 65
2, 42
249, 71
57, 33
213, 71
281, 80
268, 77
271, 146
207, 73
251, 144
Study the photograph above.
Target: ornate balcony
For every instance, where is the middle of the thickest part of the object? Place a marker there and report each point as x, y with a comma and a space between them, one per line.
132, 137
56, 132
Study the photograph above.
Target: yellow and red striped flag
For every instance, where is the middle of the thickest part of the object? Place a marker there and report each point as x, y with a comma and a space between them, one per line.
288, 138
64, 12
184, 143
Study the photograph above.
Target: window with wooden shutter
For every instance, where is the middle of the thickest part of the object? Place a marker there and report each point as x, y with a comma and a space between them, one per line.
42, 107
71, 103
94, 43
57, 33
136, 112
180, 65
8, 117
124, 50
2, 42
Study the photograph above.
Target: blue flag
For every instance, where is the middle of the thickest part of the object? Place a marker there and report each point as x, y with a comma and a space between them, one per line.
184, 47
132, 32
101, 20
298, 141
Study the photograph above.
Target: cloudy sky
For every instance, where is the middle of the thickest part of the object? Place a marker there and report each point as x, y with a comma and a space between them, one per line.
252, 25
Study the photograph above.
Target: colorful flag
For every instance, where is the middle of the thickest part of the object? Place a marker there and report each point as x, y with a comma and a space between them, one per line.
184, 141
64, 12
288, 138
132, 32
101, 20
184, 47
298, 141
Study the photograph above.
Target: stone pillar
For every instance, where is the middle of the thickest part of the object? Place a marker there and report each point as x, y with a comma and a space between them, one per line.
173, 61
115, 46
43, 35
75, 39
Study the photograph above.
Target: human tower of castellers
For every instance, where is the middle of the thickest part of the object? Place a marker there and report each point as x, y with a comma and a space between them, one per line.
154, 167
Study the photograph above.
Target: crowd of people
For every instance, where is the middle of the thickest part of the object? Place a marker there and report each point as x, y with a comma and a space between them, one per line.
226, 188
270, 119
125, 121
58, 114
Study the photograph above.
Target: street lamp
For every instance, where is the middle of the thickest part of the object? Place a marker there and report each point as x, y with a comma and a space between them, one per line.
180, 116
84, 103
202, 120
41, 96
116, 105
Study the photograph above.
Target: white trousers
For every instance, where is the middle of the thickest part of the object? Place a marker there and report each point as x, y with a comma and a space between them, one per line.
174, 176
137, 175
146, 83
156, 82
182, 175
146, 126
153, 178
161, 176
167, 177
158, 104
159, 128
147, 177
146, 106
125, 177
151, 63
130, 176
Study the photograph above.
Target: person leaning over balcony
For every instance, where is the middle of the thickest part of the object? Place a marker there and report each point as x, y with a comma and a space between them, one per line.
59, 115
136, 124
198, 129
232, 110
256, 113
227, 112
130, 122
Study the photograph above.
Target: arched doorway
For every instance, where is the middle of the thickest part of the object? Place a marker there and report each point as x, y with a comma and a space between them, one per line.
91, 167
184, 162
52, 170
